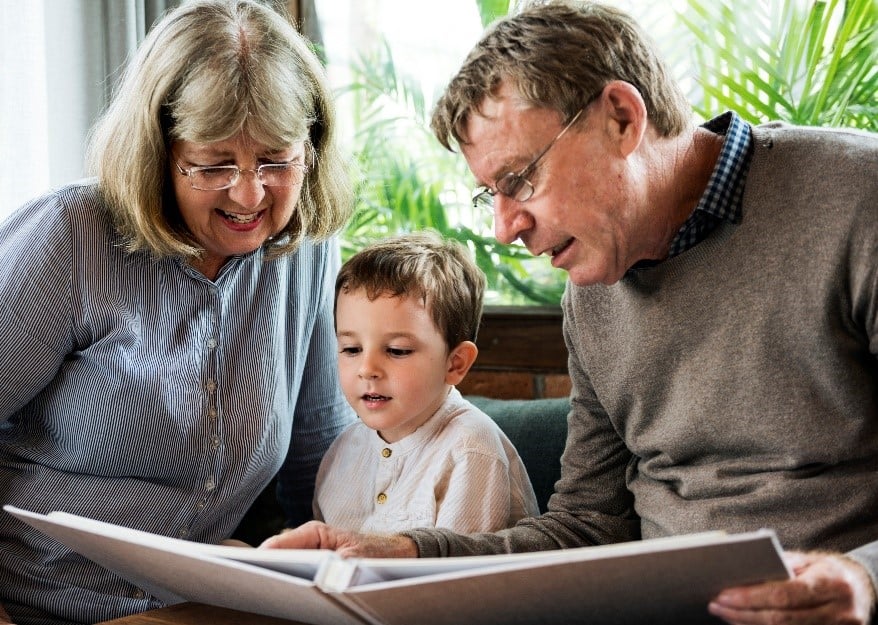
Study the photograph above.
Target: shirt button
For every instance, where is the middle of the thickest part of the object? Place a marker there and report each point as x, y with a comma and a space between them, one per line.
211, 343
210, 386
387, 452
381, 498
182, 532
138, 594
209, 485
214, 442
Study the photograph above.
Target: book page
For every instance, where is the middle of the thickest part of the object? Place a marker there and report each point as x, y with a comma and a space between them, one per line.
372, 570
174, 570
664, 582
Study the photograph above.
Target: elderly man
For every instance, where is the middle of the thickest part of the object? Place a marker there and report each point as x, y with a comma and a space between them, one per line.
721, 312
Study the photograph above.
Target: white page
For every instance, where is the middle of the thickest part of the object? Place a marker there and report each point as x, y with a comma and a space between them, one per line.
656, 582
373, 570
178, 569
665, 580
302, 563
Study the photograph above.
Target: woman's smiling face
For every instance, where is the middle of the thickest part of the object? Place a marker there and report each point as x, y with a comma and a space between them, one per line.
240, 219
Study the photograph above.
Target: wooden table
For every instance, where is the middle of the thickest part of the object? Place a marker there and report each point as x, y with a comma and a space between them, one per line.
198, 614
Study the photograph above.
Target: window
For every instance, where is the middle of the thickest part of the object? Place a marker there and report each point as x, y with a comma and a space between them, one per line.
767, 60
23, 106
59, 58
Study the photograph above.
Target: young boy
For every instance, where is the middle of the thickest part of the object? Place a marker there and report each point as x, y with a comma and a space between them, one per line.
406, 312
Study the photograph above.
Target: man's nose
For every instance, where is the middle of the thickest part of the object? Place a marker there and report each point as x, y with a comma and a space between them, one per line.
510, 219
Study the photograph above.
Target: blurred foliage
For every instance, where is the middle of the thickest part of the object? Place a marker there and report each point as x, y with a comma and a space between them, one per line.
809, 62
407, 181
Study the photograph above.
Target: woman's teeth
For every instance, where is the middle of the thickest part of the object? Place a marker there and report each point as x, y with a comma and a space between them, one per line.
241, 219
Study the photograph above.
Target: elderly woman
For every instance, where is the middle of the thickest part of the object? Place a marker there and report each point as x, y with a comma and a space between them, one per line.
167, 326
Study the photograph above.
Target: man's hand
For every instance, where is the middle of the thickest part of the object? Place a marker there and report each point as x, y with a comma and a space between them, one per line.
825, 589
317, 535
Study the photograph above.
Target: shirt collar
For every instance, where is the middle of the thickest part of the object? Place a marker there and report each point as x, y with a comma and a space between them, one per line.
721, 200
722, 197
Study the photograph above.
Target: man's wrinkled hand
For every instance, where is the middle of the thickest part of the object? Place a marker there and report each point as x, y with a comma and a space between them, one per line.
317, 535
826, 589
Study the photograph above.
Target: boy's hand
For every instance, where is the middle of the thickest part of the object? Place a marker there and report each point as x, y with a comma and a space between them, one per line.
317, 535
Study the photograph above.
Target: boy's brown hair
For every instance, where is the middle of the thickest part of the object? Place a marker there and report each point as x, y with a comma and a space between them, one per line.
440, 272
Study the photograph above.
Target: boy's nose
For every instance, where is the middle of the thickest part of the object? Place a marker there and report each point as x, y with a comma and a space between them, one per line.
368, 371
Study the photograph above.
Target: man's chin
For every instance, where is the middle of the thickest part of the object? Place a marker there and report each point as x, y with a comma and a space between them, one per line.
587, 276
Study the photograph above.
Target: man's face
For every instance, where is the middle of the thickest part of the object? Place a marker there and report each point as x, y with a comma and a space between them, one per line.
583, 212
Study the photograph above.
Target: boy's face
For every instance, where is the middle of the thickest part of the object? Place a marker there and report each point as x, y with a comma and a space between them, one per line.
394, 365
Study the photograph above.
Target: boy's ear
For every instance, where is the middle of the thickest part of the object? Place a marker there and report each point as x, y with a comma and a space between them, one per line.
460, 360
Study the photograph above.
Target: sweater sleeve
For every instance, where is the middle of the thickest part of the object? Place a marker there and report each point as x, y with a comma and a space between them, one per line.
591, 504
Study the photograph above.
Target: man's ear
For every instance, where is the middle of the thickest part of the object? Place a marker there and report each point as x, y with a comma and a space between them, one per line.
626, 116
460, 360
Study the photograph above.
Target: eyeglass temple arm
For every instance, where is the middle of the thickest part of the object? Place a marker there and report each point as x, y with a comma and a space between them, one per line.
527, 170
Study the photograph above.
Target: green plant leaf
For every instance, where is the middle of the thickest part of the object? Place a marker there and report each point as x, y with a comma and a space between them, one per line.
490, 10
810, 63
409, 182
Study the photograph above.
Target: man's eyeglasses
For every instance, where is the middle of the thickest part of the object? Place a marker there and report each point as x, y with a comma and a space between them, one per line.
218, 177
516, 185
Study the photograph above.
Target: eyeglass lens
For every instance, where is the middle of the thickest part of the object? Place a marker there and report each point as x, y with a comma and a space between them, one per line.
516, 185
270, 175
512, 185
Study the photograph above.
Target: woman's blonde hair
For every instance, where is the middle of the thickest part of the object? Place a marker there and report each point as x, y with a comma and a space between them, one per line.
207, 71
560, 54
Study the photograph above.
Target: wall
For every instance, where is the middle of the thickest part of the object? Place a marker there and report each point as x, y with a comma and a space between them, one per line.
521, 355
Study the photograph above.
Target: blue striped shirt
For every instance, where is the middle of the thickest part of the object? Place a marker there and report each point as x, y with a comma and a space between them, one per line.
136, 391
722, 197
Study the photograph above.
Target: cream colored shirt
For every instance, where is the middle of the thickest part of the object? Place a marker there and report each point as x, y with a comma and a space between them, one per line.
457, 471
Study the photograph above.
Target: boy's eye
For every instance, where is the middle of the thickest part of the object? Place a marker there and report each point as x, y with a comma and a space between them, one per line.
399, 351
350, 351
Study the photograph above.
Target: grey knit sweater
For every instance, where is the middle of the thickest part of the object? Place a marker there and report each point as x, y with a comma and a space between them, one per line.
734, 386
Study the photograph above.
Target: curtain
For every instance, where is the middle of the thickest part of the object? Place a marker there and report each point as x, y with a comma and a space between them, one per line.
23, 145
125, 23
59, 60
310, 26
